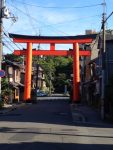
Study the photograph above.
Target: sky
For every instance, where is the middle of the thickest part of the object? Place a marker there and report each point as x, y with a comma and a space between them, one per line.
54, 18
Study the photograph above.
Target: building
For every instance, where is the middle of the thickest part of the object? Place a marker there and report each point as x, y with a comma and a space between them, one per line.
38, 77
13, 73
92, 83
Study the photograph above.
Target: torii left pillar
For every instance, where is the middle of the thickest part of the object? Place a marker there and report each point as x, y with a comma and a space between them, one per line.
28, 69
76, 73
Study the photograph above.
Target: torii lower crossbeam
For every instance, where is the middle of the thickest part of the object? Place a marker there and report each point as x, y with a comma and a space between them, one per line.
52, 53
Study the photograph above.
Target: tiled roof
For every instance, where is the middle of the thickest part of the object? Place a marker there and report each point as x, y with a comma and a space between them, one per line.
12, 63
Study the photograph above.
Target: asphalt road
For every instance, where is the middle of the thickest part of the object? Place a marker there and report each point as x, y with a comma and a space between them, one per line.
48, 125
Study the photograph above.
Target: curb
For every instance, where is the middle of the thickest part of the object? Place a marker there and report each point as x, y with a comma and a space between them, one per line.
7, 109
78, 117
4, 111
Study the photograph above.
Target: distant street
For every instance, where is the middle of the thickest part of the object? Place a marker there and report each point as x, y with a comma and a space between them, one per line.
48, 125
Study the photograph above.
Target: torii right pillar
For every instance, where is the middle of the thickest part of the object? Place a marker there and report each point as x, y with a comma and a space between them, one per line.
76, 74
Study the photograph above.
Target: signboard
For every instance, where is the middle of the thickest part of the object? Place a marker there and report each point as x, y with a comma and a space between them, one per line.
2, 73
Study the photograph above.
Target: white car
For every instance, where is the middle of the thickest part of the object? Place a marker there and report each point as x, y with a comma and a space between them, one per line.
41, 93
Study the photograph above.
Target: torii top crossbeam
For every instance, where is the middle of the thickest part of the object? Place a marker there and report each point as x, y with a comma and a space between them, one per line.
52, 39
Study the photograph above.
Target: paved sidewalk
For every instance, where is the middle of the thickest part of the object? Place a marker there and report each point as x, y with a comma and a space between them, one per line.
10, 107
87, 115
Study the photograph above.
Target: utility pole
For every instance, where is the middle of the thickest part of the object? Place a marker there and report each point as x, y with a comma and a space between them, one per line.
103, 69
1, 46
103, 57
103, 61
4, 13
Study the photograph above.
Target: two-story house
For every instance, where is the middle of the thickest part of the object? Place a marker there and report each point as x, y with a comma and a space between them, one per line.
12, 73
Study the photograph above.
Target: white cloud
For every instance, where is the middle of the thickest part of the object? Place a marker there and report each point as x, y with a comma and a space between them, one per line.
56, 17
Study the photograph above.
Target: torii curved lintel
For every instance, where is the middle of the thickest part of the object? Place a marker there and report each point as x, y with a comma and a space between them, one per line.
52, 39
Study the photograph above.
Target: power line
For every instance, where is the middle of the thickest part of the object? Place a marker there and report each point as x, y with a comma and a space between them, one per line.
69, 21
29, 17
56, 23
35, 18
99, 34
7, 47
49, 24
10, 45
59, 7
12, 41
38, 21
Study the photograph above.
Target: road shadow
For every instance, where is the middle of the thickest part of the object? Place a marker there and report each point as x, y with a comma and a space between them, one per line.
47, 131
54, 146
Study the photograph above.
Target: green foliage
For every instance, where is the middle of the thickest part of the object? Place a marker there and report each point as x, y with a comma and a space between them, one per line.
6, 91
47, 64
58, 70
60, 82
63, 72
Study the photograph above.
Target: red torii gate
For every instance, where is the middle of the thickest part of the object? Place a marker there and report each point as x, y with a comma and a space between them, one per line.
52, 40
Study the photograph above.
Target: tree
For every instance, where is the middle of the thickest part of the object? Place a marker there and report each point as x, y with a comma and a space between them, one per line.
6, 91
57, 70
47, 64
63, 72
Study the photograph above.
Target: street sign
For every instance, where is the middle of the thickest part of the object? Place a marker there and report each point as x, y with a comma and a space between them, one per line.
2, 73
